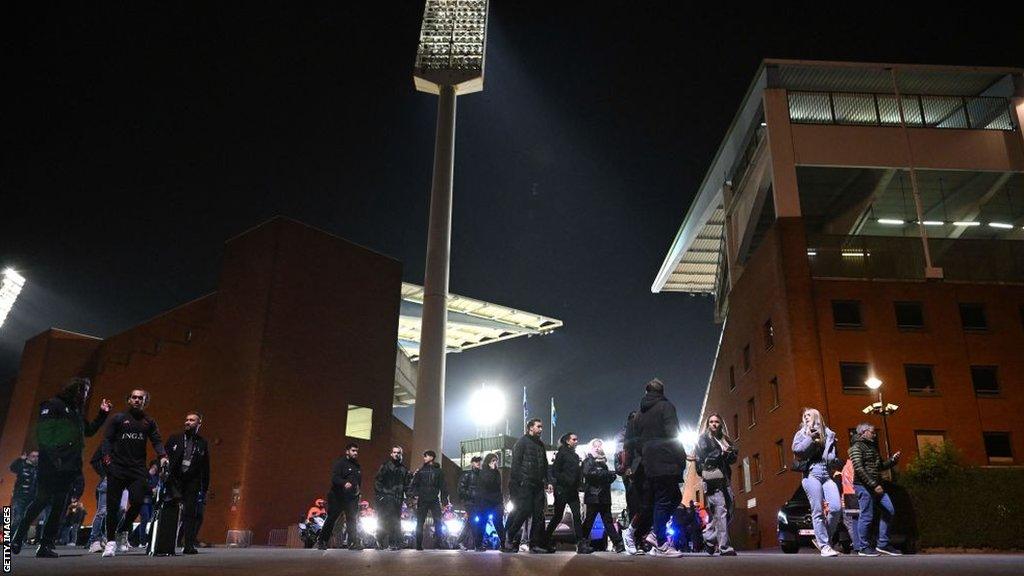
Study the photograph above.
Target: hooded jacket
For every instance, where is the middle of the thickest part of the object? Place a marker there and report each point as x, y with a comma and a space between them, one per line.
391, 481
655, 437
61, 432
529, 464
867, 462
565, 472
597, 481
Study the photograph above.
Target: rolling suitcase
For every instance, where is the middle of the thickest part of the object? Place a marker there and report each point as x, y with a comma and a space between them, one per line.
163, 531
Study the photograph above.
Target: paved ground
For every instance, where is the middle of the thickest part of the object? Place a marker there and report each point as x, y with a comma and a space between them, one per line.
285, 562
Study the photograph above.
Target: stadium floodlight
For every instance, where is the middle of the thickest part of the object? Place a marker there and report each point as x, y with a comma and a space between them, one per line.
449, 62
688, 437
11, 284
487, 405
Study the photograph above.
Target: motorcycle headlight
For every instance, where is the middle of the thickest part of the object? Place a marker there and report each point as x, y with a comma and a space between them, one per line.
782, 517
368, 524
408, 525
454, 526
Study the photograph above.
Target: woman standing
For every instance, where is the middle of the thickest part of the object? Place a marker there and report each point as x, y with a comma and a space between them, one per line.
716, 453
489, 502
597, 494
814, 445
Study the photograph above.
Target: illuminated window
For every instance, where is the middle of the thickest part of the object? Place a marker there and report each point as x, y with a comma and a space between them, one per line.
746, 475
359, 422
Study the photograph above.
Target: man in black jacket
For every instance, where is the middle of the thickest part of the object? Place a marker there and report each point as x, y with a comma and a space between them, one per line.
189, 476
389, 488
565, 477
60, 433
25, 469
124, 453
428, 489
528, 477
343, 498
662, 458
468, 482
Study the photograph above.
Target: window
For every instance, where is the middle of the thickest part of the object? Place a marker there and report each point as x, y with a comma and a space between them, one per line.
769, 335
780, 454
732, 378
773, 388
985, 379
854, 374
846, 314
751, 417
926, 438
972, 317
359, 422
909, 315
998, 448
746, 474
746, 358
920, 379
736, 424
755, 468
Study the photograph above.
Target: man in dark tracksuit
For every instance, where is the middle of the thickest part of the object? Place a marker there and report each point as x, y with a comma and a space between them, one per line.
343, 498
566, 478
429, 490
468, 483
124, 453
389, 490
25, 469
60, 434
189, 476
528, 479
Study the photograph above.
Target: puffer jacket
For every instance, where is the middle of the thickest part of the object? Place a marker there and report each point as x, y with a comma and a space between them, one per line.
60, 433
805, 448
529, 464
710, 456
597, 481
655, 435
468, 482
565, 472
867, 462
489, 487
391, 481
428, 485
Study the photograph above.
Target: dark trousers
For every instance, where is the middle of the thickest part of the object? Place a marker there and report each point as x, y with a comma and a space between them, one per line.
337, 505
389, 511
52, 490
605, 512
643, 514
138, 488
665, 498
434, 509
186, 490
489, 512
468, 536
528, 502
571, 499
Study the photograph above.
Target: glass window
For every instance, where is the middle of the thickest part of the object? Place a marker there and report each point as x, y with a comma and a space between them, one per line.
972, 317
998, 448
986, 380
359, 422
746, 358
909, 315
926, 438
773, 387
736, 424
751, 416
732, 377
854, 374
846, 314
755, 468
769, 335
746, 475
780, 454
920, 378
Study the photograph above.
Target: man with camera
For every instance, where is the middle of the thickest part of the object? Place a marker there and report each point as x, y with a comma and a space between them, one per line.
189, 476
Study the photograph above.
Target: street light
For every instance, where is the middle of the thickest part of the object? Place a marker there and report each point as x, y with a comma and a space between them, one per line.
882, 408
11, 284
449, 61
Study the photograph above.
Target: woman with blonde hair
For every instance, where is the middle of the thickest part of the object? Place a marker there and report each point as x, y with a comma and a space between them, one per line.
814, 446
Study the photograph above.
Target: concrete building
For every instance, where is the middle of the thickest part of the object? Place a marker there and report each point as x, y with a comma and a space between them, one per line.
841, 240
291, 358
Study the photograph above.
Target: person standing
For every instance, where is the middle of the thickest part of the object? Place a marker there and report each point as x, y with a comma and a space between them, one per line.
469, 482
60, 434
871, 495
489, 503
124, 454
627, 466
25, 469
343, 498
528, 476
189, 476
97, 536
716, 453
428, 489
390, 489
597, 494
814, 445
565, 477
663, 460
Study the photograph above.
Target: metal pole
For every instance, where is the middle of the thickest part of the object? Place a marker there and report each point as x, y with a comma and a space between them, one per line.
885, 424
428, 431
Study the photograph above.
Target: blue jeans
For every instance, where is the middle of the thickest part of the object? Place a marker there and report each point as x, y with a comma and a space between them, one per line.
867, 500
99, 520
819, 488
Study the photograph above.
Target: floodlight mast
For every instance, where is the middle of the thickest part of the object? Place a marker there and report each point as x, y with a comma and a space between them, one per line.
11, 284
449, 61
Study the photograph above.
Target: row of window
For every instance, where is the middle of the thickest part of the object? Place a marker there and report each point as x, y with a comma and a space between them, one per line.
910, 315
920, 379
769, 343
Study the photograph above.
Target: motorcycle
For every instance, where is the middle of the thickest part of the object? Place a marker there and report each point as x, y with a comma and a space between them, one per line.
309, 530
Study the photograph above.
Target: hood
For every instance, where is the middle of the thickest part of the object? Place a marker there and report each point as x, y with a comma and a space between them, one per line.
567, 449
650, 399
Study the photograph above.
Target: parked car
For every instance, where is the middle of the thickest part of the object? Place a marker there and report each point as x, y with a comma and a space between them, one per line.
796, 531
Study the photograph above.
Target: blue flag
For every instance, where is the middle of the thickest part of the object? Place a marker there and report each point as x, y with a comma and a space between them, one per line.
554, 415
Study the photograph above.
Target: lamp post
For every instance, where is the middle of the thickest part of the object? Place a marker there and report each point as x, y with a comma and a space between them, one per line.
449, 62
881, 408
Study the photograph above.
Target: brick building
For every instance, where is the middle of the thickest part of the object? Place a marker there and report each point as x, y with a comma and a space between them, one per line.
810, 232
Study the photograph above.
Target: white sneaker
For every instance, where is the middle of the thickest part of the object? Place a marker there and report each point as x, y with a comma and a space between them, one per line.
653, 540
665, 553
627, 541
96, 546
110, 549
827, 551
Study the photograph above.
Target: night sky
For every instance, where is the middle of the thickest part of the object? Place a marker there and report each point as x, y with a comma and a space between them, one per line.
137, 138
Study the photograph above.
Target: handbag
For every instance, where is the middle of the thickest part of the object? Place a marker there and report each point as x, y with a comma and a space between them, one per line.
712, 474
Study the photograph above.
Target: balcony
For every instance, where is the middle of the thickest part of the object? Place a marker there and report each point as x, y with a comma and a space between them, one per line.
920, 111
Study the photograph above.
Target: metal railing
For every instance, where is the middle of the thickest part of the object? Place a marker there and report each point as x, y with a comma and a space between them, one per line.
902, 258
920, 111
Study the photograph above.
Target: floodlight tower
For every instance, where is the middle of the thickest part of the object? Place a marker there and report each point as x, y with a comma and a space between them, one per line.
10, 286
449, 62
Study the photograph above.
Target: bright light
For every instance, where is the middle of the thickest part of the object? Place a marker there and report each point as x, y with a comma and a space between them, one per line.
408, 526
853, 253
892, 221
10, 287
873, 383
452, 42
933, 223
1001, 225
509, 507
454, 526
368, 524
610, 447
487, 406
965, 223
688, 438
781, 516
812, 252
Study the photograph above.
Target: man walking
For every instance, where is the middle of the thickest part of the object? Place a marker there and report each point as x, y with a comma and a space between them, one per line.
871, 495
343, 498
528, 477
60, 434
25, 469
389, 487
468, 488
189, 476
124, 453
428, 489
565, 474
